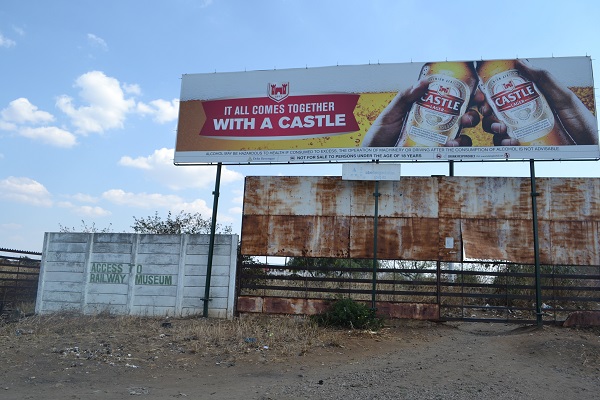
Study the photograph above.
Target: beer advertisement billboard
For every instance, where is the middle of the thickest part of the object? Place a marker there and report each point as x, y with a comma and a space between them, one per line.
539, 108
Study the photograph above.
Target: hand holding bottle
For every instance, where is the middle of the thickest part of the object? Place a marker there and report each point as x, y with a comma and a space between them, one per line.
511, 123
430, 113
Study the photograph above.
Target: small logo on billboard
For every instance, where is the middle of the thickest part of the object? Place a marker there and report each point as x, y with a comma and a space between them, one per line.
278, 91
510, 85
444, 90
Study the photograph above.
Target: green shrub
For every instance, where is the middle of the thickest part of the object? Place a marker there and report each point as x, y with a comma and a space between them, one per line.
347, 313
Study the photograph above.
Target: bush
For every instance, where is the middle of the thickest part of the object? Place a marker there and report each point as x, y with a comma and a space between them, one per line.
347, 313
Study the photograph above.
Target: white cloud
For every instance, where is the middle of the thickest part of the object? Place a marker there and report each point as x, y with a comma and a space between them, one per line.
50, 135
160, 167
12, 226
141, 200
83, 198
198, 206
25, 190
85, 211
140, 162
91, 211
106, 106
132, 88
20, 31
153, 201
7, 126
65, 204
21, 111
236, 210
239, 196
162, 111
97, 41
144, 109
6, 42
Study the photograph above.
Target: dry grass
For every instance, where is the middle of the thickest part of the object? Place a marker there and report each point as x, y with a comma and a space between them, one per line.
143, 340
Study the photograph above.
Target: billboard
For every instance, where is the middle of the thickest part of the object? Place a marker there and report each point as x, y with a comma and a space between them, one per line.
540, 108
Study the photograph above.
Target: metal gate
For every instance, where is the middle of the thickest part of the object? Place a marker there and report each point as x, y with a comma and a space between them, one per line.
486, 292
19, 274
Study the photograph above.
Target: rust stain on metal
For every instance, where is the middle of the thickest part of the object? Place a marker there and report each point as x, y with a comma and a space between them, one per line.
570, 242
572, 196
249, 304
298, 236
497, 240
255, 238
279, 305
508, 240
468, 197
423, 218
408, 310
300, 306
413, 197
255, 196
404, 238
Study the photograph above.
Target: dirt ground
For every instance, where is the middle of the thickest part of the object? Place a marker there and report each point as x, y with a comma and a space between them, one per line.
405, 360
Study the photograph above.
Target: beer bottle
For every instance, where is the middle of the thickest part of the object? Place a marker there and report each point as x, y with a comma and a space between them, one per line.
518, 103
435, 117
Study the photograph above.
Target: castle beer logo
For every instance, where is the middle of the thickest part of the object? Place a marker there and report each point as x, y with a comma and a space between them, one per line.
513, 94
440, 99
510, 85
444, 90
278, 91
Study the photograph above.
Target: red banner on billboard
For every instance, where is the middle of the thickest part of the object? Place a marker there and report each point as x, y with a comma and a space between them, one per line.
296, 116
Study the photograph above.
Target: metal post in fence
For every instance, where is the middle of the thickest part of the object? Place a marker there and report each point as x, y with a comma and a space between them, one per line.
376, 217
439, 287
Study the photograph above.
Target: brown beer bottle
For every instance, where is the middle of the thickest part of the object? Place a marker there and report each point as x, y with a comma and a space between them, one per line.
435, 117
518, 103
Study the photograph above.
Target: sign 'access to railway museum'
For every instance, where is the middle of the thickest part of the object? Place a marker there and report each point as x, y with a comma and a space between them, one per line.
541, 108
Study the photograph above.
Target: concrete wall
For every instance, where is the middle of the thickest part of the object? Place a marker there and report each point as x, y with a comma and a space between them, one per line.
123, 273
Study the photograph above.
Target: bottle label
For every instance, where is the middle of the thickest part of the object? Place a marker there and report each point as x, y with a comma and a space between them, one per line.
518, 103
436, 114
529, 131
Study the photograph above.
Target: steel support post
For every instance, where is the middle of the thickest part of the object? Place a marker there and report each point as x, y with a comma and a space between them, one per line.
211, 245
375, 222
536, 247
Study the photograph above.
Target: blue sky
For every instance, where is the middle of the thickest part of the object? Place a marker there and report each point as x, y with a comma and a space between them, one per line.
89, 90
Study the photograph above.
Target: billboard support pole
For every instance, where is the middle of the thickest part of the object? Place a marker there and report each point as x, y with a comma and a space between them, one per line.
536, 247
450, 264
211, 246
375, 222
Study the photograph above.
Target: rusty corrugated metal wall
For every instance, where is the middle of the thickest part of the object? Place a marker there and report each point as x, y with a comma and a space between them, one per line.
423, 218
